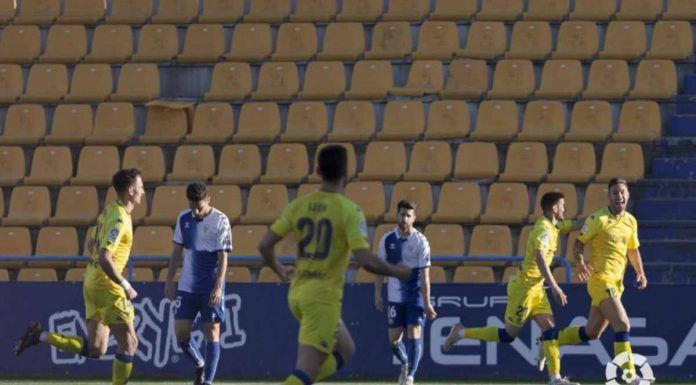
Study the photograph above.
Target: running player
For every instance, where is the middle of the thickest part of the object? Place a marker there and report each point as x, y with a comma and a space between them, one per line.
409, 301
203, 236
526, 295
328, 227
106, 293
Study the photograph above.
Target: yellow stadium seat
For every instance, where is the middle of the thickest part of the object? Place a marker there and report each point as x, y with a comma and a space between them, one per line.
157, 42
639, 121
437, 40
204, 43
594, 10
76, 206
513, 79
238, 274
437, 274
547, 10
228, 199
50, 166
258, 122
20, 44
485, 40
680, 10
137, 83
577, 40
390, 40
473, 274
369, 196
560, 79
65, 44
624, 160
114, 124
90, 83
7, 10
506, 203
591, 121
250, 42
459, 202
230, 81
40, 12
371, 79
12, 165
507, 10
510, 273
645, 10
165, 271
175, 12
385, 161
445, 240
37, 275
608, 79
596, 198
313, 11
142, 274
570, 198
573, 162
167, 202
364, 276
268, 11
544, 121
306, 122
25, 124
343, 41
55, 242
624, 40
166, 123
138, 213
655, 79
424, 77
323, 80
467, 79
149, 159
152, 241
266, 275
129, 12
212, 123
11, 83
246, 241
454, 10
365, 11
490, 240
14, 241
84, 12
430, 161
354, 121
531, 40
671, 40
47, 83
419, 192
239, 164
295, 42
448, 119
277, 80
380, 230
96, 166
307, 188
29, 206
76, 274
403, 120
352, 162
525, 162
407, 10
286, 163
476, 160
497, 120
193, 162
265, 204
221, 11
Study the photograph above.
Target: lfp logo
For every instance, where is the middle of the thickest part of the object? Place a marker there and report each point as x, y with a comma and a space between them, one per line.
617, 375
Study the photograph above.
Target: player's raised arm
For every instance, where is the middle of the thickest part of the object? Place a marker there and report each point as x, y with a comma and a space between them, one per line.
174, 263
371, 263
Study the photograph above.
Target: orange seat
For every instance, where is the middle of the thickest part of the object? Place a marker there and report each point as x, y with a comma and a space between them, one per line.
365, 11
152, 241
76, 206
476, 160
149, 159
258, 122
137, 83
313, 11
250, 42
12, 165
76, 274
646, 10
437, 274
608, 79
306, 122
639, 121
129, 12
485, 40
490, 240
513, 79
624, 160
230, 81
157, 42
88, 12
55, 242
246, 241
175, 12
50, 166
369, 196
238, 274
591, 121
390, 40
454, 10
193, 162
37, 275
40, 12
96, 166
111, 44
531, 40
655, 79
268, 11
371, 79
560, 79
221, 11
596, 198
407, 10
286, 164
20, 44
204, 43
239, 164
500, 10
277, 80
166, 123
385, 161
343, 41
624, 40
323, 80
228, 199
71, 124
473, 274
307, 188
11, 83
212, 123
90, 83
14, 241
577, 40
167, 203
497, 120
352, 162
459, 202
544, 121
265, 204
114, 124
680, 10
573, 162
354, 121
467, 79
430, 161
445, 240
525, 162
547, 10
419, 192
671, 40
65, 44
568, 191
142, 274
596, 10
266, 275
403, 120
25, 124
47, 83
295, 42
447, 119
506, 203
437, 40
7, 10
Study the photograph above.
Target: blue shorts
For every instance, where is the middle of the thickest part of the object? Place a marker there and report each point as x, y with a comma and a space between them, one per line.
404, 314
188, 305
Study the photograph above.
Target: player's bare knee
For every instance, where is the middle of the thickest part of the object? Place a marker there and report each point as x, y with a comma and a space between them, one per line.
131, 343
622, 325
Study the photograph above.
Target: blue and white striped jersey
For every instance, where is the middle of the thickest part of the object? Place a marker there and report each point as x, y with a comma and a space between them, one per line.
414, 251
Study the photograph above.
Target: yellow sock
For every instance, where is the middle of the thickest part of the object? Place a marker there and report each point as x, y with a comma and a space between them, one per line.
71, 344
123, 365
486, 333
625, 346
328, 367
553, 357
297, 378
569, 336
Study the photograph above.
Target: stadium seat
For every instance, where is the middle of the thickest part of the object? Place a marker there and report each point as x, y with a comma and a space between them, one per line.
14, 241
221, 11
590, 121
424, 77
114, 124
40, 12
83, 12
655, 79
265, 204
473, 274
577, 40
167, 202
525, 162
384, 161
406, 10
12, 165
246, 241
268, 11
137, 83
497, 120
307, 188
622, 159
29, 206
560, 79
390, 40
671, 40
506, 203
447, 119
573, 162
142, 274
266, 275
366, 11
25, 124
175, 12
212, 123
530, 40
476, 160
149, 159
50, 166
250, 42
295, 42
547, 10
138, 213
258, 122
645, 10
639, 121
594, 10
624, 40
445, 240
230, 81
323, 80
402, 120
306, 122
55, 242
204, 43
129, 12
286, 164
454, 10
608, 79
165, 271
570, 198
596, 196
430, 161
152, 241
680, 10
559, 273
437, 40
46, 83
354, 121
467, 79
193, 163
352, 162
544, 121
20, 44
277, 80
157, 42
364, 276
343, 41
459, 202
65, 44
238, 274
91, 83
372, 79
370, 197
485, 40
228, 199
490, 240
96, 166
419, 192
11, 83
380, 230
166, 123
513, 79
37, 275
76, 206
437, 274
76, 274
314, 11
507, 10
510, 273
239, 164
7, 11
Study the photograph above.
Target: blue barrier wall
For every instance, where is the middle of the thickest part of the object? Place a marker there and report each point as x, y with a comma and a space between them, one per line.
259, 335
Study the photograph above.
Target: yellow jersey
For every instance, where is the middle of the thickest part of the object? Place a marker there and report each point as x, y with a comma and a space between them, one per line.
610, 238
543, 237
327, 226
113, 232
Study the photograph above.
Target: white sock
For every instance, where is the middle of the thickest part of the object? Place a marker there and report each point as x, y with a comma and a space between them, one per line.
42, 337
555, 377
461, 333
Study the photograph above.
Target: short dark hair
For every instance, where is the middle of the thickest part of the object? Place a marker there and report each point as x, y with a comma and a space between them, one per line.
124, 179
333, 163
614, 181
196, 191
549, 199
405, 204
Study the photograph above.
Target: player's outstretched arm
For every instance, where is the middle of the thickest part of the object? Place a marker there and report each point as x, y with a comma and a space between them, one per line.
637, 263
267, 250
371, 263
106, 262
174, 262
558, 293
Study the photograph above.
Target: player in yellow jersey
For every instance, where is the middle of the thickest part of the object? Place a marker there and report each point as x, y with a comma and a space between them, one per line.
106, 292
328, 227
612, 234
526, 295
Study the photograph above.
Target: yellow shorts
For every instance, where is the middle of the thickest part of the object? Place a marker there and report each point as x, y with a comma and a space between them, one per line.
318, 323
601, 289
108, 306
525, 302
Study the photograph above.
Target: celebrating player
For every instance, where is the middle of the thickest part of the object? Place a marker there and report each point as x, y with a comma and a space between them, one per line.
204, 238
409, 301
106, 293
327, 227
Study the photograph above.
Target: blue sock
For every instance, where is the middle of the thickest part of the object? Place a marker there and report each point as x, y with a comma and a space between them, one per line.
192, 352
415, 352
399, 350
583, 334
212, 355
